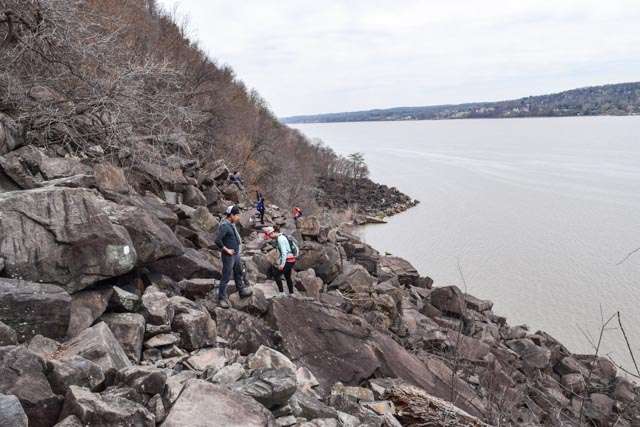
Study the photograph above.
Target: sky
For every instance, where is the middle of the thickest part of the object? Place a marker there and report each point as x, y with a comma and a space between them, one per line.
322, 56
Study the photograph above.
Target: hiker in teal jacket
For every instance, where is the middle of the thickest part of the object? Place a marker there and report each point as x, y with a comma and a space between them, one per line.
288, 251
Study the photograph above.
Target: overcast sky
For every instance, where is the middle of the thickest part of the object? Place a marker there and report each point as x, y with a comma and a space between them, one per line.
329, 56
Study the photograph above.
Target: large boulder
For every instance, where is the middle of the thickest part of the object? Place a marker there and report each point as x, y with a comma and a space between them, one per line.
75, 370
98, 345
449, 300
271, 387
325, 260
193, 323
309, 226
30, 167
105, 411
160, 177
208, 405
156, 307
152, 238
11, 412
110, 179
128, 328
396, 266
337, 347
22, 374
34, 308
61, 236
355, 279
191, 264
244, 332
532, 355
86, 307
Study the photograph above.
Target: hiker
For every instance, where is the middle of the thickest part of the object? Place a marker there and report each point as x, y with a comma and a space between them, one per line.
297, 213
229, 242
234, 178
288, 251
260, 207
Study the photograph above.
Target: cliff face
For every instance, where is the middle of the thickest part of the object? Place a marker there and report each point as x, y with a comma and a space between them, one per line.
108, 271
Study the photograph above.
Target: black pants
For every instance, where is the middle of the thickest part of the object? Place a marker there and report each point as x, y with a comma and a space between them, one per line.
277, 276
261, 216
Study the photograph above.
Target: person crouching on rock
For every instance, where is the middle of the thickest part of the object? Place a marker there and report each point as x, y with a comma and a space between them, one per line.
229, 242
288, 251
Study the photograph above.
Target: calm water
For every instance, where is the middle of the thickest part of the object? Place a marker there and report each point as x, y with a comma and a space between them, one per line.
535, 212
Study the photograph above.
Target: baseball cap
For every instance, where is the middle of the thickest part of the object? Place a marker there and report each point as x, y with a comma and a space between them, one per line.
232, 210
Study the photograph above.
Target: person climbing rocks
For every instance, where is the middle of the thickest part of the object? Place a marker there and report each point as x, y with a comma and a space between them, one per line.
297, 213
234, 178
260, 207
229, 242
288, 251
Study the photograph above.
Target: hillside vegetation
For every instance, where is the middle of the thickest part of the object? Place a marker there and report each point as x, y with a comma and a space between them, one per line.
616, 100
119, 80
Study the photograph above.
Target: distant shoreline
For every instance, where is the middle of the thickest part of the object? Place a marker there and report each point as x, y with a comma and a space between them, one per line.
621, 99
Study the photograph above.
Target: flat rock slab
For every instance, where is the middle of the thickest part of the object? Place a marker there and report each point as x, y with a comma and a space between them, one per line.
61, 236
204, 404
34, 308
128, 328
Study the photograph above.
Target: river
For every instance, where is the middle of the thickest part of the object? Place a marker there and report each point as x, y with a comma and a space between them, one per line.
534, 214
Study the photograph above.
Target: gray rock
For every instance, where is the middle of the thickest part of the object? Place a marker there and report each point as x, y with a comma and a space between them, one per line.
228, 374
156, 308
354, 278
10, 134
305, 405
477, 304
76, 370
208, 405
175, 384
599, 408
105, 411
43, 346
201, 219
22, 375
128, 328
396, 266
268, 358
156, 407
256, 304
99, 345
145, 379
110, 179
244, 332
311, 284
152, 238
34, 308
11, 412
86, 307
323, 259
196, 288
61, 236
191, 264
271, 387
70, 421
30, 167
211, 358
449, 299
532, 355
193, 323
161, 340
337, 347
193, 197
7, 335
123, 301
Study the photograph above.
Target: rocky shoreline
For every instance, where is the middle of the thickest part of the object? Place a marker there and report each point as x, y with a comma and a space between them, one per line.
370, 202
107, 318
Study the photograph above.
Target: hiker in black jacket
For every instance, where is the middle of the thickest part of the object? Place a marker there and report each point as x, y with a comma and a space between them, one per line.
229, 242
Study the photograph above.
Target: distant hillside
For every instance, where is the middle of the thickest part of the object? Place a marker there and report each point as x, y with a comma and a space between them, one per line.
616, 99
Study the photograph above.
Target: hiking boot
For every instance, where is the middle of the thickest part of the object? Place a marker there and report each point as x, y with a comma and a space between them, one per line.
245, 292
223, 303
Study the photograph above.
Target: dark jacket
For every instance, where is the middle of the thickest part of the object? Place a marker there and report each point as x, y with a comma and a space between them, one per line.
227, 236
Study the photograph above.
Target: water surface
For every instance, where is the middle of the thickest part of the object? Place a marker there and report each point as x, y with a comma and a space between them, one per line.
535, 213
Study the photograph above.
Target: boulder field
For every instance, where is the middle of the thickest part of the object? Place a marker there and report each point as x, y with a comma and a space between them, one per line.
108, 318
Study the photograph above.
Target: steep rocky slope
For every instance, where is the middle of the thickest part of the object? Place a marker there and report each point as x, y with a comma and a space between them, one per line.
108, 319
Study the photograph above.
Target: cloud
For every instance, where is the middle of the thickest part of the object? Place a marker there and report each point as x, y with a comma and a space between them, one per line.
327, 56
